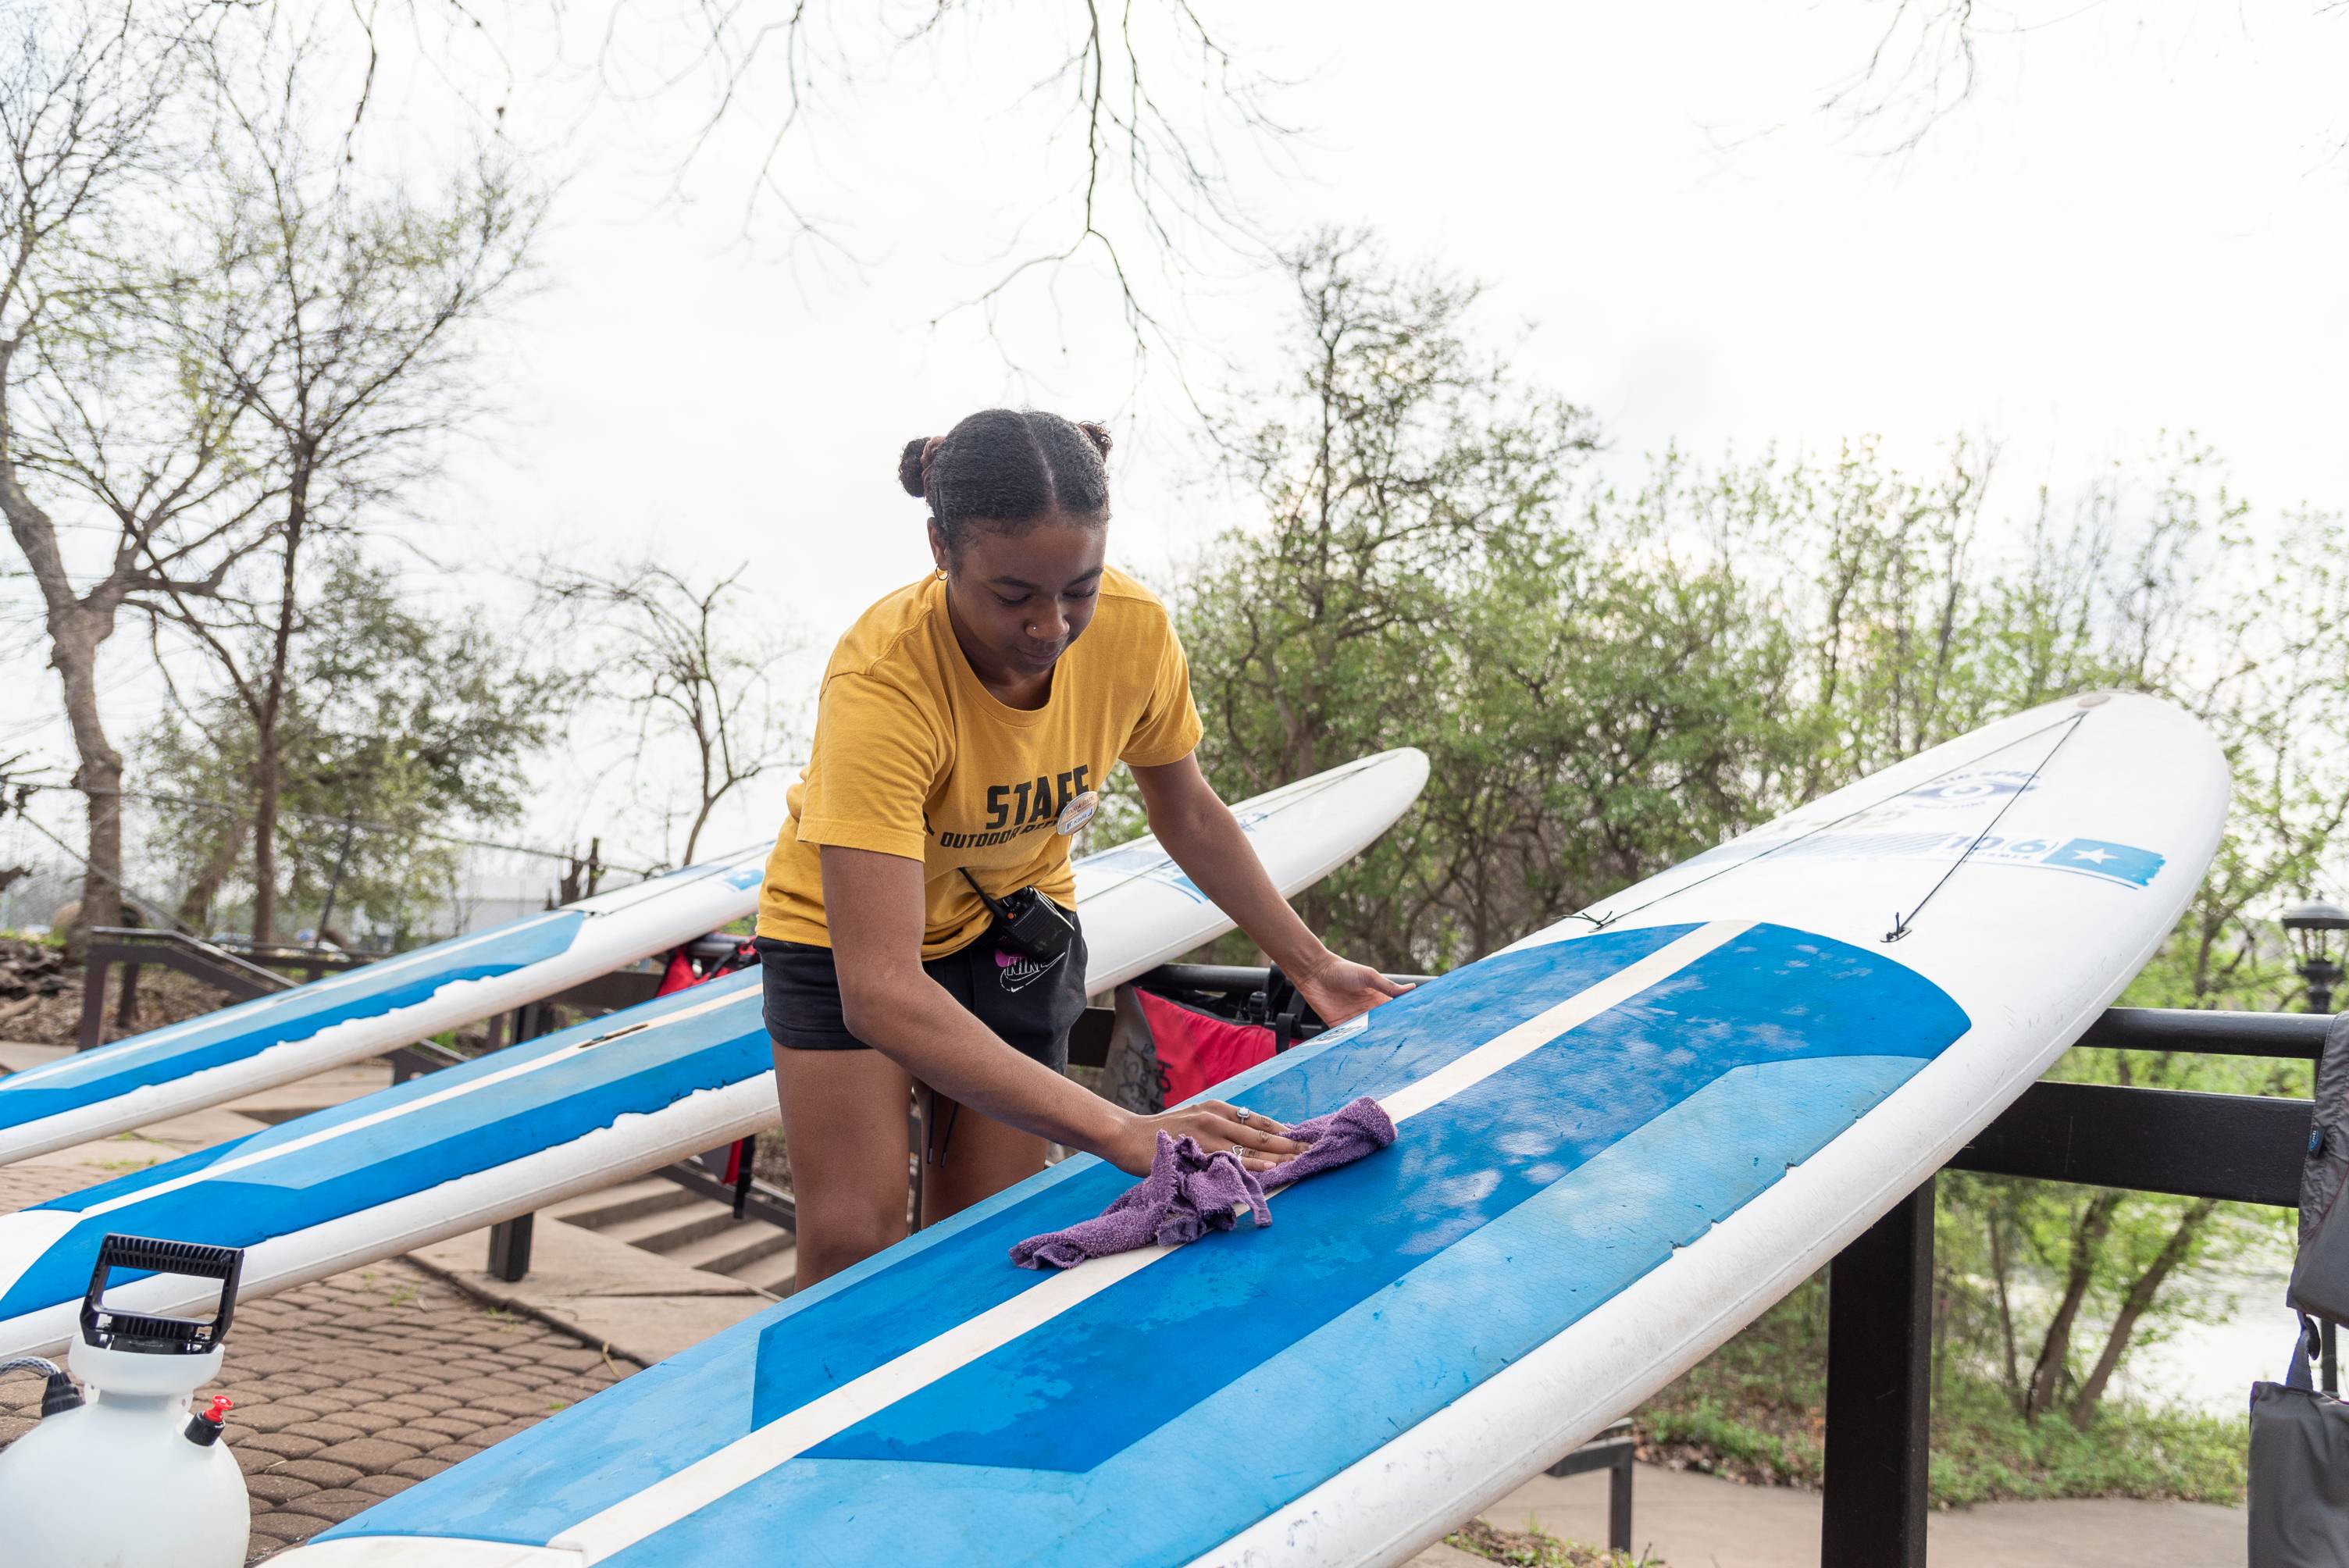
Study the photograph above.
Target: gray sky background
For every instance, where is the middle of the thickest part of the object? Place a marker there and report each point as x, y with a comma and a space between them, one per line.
2138, 225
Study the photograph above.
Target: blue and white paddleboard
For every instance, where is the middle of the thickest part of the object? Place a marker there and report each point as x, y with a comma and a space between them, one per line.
1620, 1139
538, 1121
366, 1011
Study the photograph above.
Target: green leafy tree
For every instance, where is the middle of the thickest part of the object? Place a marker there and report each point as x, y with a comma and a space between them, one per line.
1608, 679
399, 728
1415, 580
1919, 622
343, 314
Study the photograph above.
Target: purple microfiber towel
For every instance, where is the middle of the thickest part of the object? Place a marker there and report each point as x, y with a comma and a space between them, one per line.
1190, 1192
1339, 1138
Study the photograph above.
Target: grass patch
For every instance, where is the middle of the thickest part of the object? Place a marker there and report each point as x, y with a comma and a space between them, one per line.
1983, 1451
1538, 1549
1755, 1411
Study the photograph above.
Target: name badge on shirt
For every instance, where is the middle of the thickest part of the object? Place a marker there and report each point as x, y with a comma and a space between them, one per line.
1078, 812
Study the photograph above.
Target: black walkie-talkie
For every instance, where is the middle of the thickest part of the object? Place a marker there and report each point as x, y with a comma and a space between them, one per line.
1027, 922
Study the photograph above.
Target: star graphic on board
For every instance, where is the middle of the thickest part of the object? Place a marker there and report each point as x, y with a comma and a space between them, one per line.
2098, 856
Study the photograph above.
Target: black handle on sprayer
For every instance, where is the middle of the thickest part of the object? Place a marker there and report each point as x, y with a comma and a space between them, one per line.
197, 1260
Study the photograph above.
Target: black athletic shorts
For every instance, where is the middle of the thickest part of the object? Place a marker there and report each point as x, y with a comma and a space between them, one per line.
1032, 1006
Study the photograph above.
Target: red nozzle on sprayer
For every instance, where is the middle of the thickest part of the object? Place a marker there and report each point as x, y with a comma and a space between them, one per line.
204, 1428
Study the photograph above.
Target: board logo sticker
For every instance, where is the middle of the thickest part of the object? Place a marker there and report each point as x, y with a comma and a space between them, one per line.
2127, 865
1970, 789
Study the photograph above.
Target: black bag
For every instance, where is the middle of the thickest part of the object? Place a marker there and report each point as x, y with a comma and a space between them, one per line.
2320, 1273
2299, 1490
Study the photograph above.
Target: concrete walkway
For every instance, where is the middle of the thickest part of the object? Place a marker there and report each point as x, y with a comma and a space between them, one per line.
644, 1306
1702, 1521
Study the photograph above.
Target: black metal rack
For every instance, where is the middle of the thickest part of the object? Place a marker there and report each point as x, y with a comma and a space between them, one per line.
133, 948
2244, 1148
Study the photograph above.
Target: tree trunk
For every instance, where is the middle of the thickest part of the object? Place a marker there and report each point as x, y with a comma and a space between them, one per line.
196, 903
99, 776
77, 627
710, 796
2047, 1374
2005, 1308
580, 878
268, 773
265, 828
2133, 1308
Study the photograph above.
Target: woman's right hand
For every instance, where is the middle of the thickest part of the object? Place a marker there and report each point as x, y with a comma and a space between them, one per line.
1216, 1125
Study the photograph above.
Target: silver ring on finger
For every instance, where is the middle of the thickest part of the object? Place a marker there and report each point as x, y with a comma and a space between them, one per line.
1238, 1151
1241, 1115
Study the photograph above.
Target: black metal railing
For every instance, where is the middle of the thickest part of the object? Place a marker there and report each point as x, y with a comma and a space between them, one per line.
133, 948
2246, 1148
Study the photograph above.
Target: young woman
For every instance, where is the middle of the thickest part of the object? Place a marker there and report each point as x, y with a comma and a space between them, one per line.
965, 725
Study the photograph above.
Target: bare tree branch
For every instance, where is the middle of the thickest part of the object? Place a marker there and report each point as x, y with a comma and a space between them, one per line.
1151, 185
676, 654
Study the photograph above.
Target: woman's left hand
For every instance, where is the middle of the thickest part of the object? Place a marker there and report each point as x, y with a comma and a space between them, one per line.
1339, 988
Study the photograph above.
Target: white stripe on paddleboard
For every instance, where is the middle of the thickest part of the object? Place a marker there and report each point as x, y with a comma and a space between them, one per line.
360, 1123
747, 1457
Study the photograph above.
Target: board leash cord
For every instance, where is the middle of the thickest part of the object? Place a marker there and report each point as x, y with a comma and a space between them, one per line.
1611, 917
1903, 924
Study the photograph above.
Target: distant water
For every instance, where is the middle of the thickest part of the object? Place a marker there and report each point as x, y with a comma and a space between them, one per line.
2212, 1366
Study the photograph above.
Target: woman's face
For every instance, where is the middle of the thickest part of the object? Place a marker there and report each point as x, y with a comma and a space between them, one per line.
1024, 597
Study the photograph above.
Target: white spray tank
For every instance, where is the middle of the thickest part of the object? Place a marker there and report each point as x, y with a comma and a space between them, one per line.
131, 1477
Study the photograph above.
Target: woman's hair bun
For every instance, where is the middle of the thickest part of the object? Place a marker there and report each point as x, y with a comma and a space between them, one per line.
909, 466
1097, 434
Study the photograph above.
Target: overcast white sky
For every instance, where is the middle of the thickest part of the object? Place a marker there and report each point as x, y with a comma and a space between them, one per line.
2139, 225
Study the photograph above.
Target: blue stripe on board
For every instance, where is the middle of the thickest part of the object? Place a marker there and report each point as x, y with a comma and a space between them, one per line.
636, 1072
1168, 1337
234, 1034
1302, 1416
562, 1469
433, 1084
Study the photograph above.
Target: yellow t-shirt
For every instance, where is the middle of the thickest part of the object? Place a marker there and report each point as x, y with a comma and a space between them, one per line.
913, 757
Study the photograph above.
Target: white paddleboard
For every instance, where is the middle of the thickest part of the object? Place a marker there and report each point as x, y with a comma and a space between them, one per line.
527, 1126
1620, 1140
366, 1011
